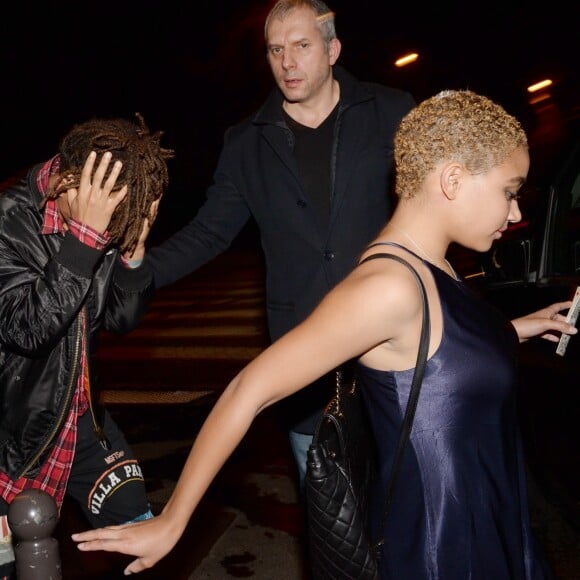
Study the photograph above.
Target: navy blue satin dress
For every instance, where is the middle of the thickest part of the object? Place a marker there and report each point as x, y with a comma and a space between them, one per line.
460, 509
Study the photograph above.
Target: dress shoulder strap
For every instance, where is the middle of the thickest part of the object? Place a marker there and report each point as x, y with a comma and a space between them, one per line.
420, 365
396, 245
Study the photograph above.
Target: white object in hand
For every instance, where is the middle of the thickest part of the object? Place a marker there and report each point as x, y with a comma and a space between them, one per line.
570, 319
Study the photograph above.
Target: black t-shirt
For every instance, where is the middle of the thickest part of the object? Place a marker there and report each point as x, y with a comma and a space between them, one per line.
313, 154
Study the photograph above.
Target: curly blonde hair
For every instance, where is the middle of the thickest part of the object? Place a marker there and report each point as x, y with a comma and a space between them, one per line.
454, 125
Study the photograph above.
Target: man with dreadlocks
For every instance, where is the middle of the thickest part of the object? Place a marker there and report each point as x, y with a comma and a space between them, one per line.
72, 239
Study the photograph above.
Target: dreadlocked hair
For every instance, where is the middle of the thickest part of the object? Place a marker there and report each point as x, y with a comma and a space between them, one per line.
144, 170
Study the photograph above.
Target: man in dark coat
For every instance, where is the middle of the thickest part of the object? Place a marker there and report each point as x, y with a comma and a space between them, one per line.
312, 167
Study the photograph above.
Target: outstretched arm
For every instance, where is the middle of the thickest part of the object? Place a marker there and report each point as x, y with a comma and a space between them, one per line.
359, 314
546, 323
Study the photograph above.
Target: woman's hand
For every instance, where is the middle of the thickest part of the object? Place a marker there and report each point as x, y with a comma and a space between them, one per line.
546, 323
149, 540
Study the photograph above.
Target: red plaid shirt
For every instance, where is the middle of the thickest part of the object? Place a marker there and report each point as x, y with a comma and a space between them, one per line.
54, 474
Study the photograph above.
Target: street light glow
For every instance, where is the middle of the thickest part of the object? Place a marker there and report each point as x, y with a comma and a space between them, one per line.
407, 59
539, 86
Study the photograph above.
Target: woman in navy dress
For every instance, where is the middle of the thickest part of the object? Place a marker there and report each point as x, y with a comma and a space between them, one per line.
460, 509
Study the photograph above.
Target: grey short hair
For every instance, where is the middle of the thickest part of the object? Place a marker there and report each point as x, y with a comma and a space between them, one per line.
324, 16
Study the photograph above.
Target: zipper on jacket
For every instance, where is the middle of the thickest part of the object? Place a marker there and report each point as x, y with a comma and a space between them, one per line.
64, 408
103, 441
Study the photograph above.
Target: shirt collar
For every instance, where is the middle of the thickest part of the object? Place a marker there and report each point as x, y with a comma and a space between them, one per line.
53, 223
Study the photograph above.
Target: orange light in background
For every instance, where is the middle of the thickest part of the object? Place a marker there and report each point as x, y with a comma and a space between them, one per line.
539, 98
407, 59
539, 86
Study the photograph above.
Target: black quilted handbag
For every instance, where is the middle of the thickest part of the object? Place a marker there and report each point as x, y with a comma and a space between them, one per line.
341, 464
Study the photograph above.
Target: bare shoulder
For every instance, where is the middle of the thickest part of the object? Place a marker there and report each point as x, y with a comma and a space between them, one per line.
395, 309
381, 292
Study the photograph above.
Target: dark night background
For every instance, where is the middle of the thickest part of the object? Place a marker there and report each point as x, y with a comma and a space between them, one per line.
193, 69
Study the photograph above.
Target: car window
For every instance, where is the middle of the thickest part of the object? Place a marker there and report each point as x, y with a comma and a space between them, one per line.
563, 242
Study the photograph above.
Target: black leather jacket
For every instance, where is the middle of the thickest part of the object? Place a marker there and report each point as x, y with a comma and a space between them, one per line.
45, 282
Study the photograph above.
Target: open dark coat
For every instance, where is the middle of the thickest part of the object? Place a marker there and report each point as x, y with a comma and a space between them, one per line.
257, 177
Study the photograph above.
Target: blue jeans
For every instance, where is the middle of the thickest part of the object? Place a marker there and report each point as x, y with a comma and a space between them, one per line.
300, 442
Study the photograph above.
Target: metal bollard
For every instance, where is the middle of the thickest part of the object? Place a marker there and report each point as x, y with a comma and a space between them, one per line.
32, 517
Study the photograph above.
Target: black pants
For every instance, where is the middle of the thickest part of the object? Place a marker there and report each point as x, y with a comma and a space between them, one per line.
107, 484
